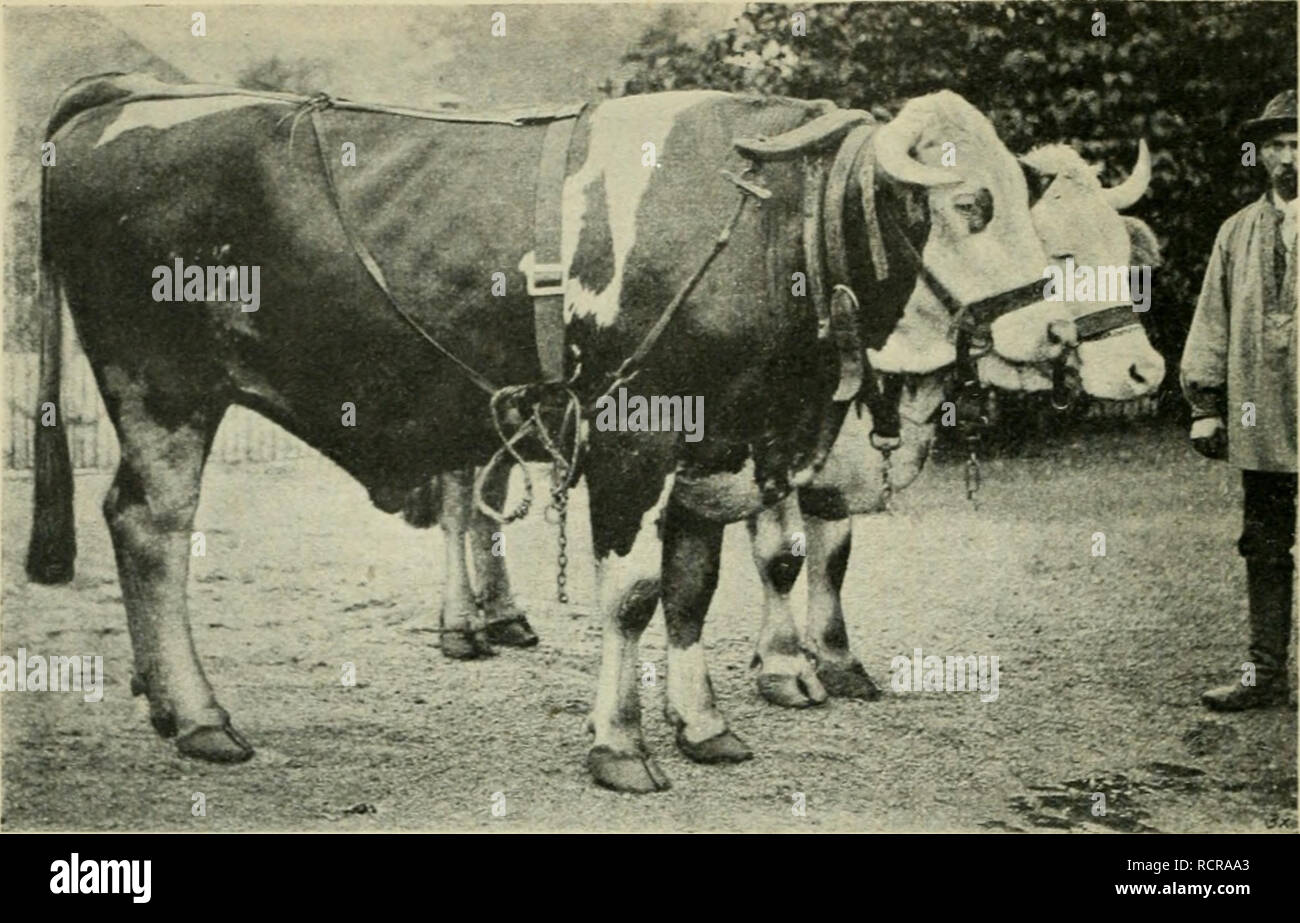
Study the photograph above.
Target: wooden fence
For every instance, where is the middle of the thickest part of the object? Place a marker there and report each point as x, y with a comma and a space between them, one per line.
244, 436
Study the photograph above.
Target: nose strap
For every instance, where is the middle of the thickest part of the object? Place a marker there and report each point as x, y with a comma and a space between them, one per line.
1097, 324
980, 314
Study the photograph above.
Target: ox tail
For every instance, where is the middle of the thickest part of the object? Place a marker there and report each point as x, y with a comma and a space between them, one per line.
53, 546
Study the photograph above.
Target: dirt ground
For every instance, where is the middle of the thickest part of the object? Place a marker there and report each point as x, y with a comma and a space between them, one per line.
1101, 662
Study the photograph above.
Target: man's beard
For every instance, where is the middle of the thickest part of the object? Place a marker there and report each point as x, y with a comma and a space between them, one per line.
1284, 182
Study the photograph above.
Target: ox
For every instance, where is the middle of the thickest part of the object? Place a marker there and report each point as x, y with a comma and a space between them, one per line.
149, 173
1076, 219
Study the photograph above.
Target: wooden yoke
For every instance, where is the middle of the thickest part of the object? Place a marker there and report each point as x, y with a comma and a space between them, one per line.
806, 138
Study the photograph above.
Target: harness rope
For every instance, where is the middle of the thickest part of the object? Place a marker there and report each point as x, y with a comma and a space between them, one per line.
563, 470
313, 107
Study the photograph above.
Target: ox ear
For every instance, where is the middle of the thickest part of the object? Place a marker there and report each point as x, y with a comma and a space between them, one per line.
1144, 247
1035, 179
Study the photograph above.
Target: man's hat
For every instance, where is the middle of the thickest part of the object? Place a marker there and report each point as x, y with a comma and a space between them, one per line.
1278, 115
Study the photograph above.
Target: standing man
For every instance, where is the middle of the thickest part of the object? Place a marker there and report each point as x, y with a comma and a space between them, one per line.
1239, 375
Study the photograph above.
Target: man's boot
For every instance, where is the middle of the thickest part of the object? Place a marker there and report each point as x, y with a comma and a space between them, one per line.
1268, 583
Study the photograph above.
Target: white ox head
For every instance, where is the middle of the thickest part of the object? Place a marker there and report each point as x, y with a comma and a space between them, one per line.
981, 241
1079, 225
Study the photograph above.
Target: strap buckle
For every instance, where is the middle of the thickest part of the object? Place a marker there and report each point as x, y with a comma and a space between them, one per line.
545, 279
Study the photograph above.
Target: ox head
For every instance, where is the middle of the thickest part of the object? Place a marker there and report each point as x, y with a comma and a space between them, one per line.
1079, 223
981, 256
1074, 220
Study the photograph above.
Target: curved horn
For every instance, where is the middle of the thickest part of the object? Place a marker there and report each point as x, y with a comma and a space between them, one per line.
893, 143
1126, 193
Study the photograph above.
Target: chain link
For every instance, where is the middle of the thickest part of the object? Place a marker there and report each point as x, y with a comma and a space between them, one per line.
560, 503
885, 445
886, 483
973, 477
973, 418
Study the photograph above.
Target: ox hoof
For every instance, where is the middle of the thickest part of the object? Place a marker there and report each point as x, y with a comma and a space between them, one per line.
720, 748
512, 632
626, 772
791, 691
847, 680
466, 645
221, 744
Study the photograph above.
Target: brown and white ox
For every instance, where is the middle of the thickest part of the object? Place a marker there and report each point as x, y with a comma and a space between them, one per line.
150, 174
1077, 220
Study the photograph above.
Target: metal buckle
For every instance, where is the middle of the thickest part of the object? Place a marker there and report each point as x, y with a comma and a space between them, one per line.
545, 279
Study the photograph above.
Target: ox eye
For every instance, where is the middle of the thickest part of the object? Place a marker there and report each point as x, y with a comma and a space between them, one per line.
968, 209
976, 208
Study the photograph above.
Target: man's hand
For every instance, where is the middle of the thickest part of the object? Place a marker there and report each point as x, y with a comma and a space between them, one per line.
1210, 437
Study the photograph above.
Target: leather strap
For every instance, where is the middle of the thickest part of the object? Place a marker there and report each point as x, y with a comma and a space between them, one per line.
870, 214
837, 184
547, 274
857, 378
981, 314
814, 251
854, 369
977, 316
1097, 324
844, 301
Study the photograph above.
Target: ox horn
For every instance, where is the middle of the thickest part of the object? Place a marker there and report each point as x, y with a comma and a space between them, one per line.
1126, 193
893, 142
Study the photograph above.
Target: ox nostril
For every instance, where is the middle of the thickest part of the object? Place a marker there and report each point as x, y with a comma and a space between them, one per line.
1148, 371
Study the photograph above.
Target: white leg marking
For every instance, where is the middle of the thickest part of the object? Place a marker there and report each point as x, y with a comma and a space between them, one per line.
617, 691
690, 697
770, 538
458, 609
825, 612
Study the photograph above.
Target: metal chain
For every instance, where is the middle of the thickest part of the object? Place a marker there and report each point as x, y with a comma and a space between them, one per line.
560, 503
973, 478
973, 418
886, 484
563, 470
885, 445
